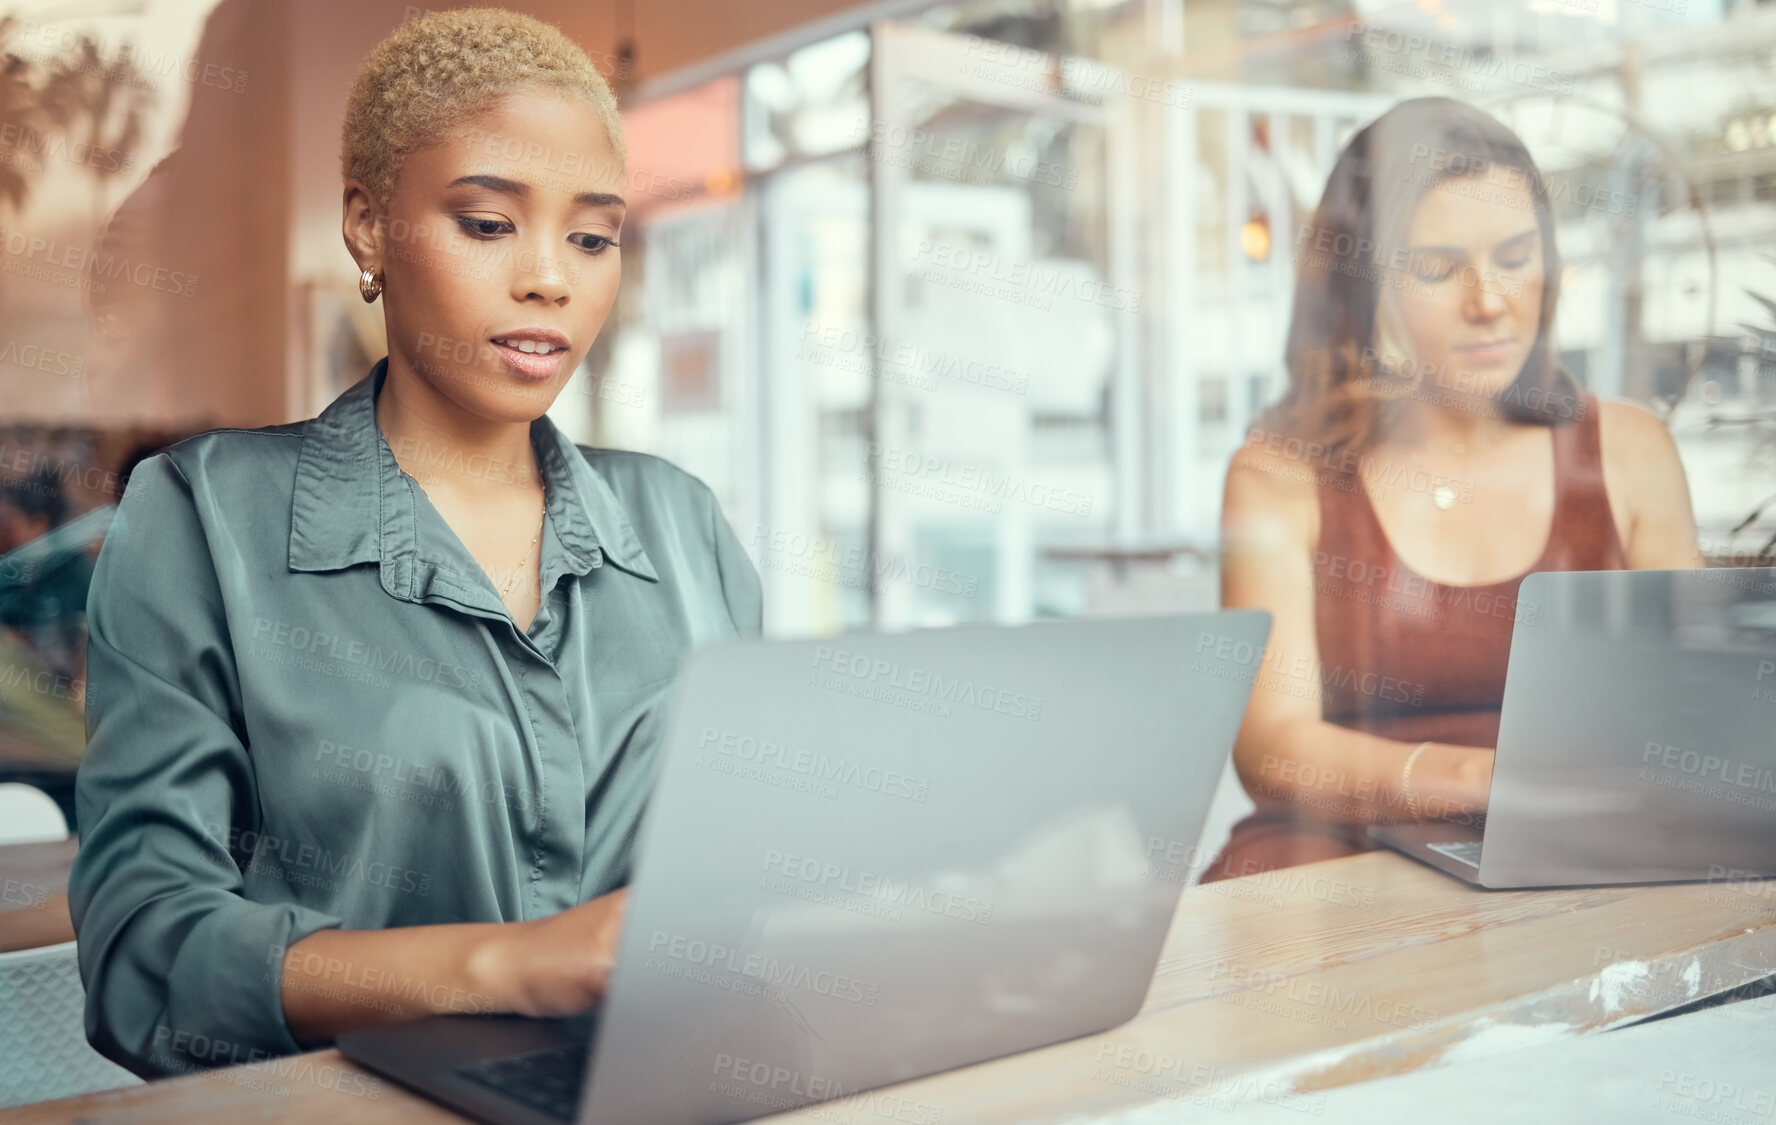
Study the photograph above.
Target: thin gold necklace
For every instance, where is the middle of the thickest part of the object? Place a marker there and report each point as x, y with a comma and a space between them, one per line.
535, 539
507, 589
1443, 497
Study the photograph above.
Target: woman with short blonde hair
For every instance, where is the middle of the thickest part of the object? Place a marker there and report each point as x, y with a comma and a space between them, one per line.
373, 696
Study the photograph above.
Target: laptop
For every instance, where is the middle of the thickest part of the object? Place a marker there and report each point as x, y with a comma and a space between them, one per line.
872, 858
1637, 738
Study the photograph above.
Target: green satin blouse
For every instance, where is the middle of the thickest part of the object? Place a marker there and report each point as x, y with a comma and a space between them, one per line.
308, 707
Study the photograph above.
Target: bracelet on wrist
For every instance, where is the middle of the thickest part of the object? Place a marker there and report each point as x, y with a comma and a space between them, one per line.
1406, 790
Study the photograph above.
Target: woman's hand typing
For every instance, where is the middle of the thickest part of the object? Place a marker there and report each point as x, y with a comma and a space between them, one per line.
559, 965
339, 980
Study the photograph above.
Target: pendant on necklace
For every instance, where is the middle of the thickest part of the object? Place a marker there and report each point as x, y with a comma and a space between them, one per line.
1444, 497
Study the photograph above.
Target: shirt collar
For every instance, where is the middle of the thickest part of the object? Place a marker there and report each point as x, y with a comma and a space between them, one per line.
351, 503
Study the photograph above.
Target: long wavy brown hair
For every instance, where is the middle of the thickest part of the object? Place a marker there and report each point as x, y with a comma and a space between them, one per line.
1344, 386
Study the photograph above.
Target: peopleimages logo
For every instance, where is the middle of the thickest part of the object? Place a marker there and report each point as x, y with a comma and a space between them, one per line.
948, 689
871, 885
822, 559
916, 147
347, 650
1710, 767
1401, 261
780, 1087
294, 861
1708, 775
1479, 61
973, 486
26, 140
840, 347
387, 775
177, 1048
1246, 981
132, 66
46, 360
757, 759
1473, 174
763, 968
1766, 693
1708, 1099
1031, 283
81, 261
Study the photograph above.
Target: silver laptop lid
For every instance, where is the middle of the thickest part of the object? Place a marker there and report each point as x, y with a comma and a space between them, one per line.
879, 856
1638, 737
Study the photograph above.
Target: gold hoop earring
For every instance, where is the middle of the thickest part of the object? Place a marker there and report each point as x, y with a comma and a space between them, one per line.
370, 285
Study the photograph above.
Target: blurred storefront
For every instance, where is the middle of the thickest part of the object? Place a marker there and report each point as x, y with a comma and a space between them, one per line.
961, 307
971, 304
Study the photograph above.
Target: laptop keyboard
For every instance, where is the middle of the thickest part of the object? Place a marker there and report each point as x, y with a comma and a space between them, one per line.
1462, 851
548, 1080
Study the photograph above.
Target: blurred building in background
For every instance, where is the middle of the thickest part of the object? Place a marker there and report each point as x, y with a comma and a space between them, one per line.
973, 303
961, 307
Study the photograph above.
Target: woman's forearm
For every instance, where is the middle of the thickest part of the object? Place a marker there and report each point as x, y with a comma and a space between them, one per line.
1341, 774
338, 980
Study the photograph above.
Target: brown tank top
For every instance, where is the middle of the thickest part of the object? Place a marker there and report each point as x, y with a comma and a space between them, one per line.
1410, 659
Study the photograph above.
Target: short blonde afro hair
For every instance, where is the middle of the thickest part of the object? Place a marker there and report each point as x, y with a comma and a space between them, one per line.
434, 71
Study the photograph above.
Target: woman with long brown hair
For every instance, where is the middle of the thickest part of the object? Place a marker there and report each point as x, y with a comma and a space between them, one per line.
1428, 453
